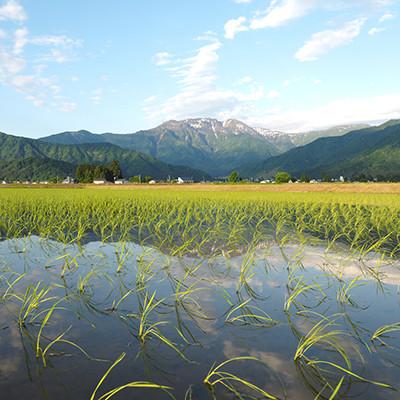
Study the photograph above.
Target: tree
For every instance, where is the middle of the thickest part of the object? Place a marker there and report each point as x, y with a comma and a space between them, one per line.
326, 179
135, 179
282, 177
305, 178
234, 177
115, 169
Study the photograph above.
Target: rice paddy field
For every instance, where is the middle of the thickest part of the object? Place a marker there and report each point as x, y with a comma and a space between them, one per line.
199, 293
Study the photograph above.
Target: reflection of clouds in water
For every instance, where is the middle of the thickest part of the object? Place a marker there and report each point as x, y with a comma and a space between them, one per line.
10, 350
339, 263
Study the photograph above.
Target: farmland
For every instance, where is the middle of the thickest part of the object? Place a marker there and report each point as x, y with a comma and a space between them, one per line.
208, 292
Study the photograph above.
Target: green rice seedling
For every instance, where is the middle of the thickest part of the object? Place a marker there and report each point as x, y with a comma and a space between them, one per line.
301, 288
185, 303
148, 329
216, 375
83, 282
31, 301
70, 263
322, 335
132, 385
144, 271
249, 315
9, 292
122, 253
343, 294
42, 351
384, 331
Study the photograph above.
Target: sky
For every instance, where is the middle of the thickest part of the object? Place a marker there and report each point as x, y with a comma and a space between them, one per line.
126, 65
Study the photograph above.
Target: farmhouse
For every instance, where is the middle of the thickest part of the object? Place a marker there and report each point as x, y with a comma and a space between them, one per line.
120, 181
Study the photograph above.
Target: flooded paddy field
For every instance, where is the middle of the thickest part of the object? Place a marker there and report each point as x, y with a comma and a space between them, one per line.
198, 296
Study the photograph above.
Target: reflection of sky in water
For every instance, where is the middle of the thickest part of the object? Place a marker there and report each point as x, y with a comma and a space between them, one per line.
201, 315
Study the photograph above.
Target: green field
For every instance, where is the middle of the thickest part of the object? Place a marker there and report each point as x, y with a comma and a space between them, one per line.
196, 221
198, 294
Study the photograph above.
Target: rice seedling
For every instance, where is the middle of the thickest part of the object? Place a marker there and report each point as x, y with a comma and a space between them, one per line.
325, 335
149, 329
31, 301
216, 375
249, 315
384, 330
131, 385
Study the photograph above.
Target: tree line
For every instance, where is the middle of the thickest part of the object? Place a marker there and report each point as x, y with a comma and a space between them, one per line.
87, 173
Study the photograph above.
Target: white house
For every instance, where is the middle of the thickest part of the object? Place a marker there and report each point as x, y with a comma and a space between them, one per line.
3, 182
99, 182
68, 180
180, 181
152, 182
120, 181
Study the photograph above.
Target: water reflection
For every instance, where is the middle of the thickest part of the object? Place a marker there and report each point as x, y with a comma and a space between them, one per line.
261, 303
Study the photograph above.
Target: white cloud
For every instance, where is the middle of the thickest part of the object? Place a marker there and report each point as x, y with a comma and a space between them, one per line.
198, 93
324, 41
243, 1
281, 12
97, 96
26, 75
386, 17
162, 58
374, 31
234, 26
56, 41
20, 40
12, 11
342, 111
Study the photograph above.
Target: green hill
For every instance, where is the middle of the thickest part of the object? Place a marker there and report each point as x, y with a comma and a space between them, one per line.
358, 152
34, 168
132, 162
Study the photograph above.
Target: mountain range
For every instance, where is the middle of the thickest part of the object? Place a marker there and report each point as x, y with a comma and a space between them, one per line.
204, 148
372, 151
208, 144
15, 149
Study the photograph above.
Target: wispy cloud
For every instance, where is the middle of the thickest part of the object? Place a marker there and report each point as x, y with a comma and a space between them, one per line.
341, 111
28, 75
198, 92
324, 41
375, 30
281, 12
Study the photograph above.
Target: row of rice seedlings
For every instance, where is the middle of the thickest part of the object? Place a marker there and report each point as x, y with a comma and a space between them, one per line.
184, 225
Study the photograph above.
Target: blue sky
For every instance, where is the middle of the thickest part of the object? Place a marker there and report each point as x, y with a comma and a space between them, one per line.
126, 65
